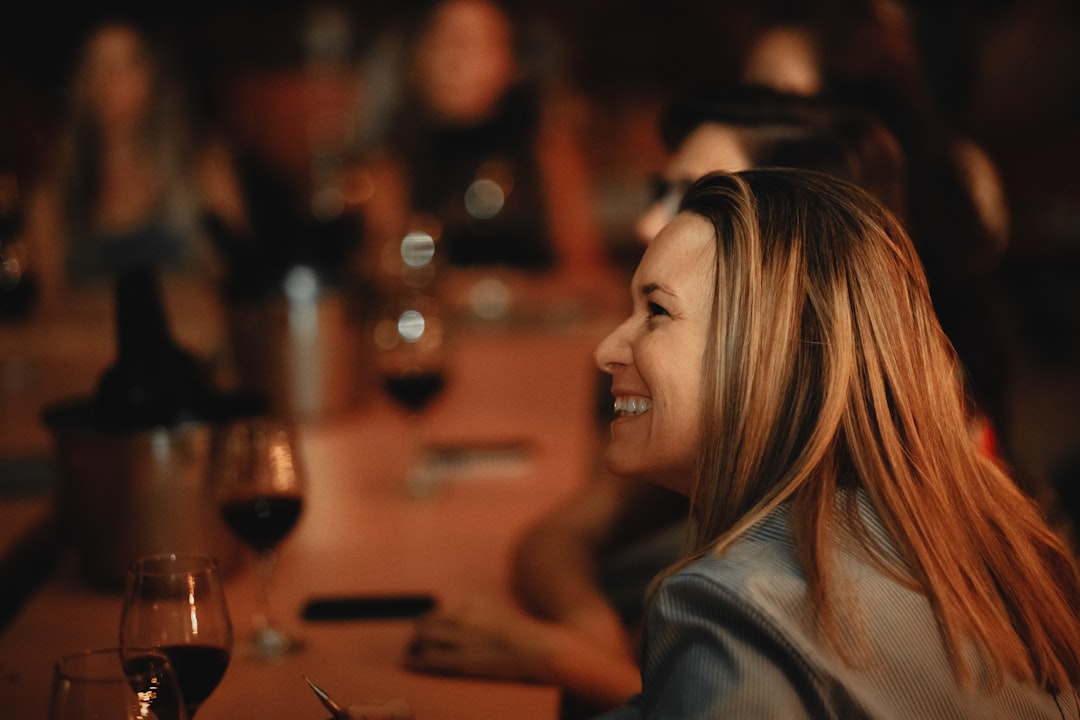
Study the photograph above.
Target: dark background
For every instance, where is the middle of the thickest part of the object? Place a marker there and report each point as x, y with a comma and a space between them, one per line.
1004, 72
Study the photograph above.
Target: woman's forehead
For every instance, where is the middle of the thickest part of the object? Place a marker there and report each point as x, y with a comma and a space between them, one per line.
680, 253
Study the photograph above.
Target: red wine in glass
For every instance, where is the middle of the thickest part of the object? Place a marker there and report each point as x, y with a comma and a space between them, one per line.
199, 669
262, 520
176, 603
414, 389
410, 357
259, 483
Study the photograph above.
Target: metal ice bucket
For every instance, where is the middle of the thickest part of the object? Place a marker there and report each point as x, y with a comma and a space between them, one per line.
121, 495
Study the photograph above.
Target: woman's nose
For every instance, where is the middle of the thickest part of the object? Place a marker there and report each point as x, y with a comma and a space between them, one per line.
613, 351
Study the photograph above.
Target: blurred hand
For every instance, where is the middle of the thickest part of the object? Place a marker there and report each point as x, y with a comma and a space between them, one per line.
601, 624
496, 641
485, 640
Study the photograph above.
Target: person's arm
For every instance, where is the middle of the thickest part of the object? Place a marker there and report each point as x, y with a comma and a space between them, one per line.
485, 640
556, 567
584, 269
564, 174
219, 187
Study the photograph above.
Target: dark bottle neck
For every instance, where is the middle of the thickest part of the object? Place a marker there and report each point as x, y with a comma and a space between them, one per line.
154, 381
142, 329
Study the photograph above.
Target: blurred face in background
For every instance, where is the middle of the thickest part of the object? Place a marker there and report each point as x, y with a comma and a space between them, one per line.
709, 147
785, 59
465, 59
115, 78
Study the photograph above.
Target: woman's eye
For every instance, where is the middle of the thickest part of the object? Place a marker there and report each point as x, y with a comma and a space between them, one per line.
656, 310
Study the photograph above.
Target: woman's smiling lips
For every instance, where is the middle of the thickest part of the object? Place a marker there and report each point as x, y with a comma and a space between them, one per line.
630, 405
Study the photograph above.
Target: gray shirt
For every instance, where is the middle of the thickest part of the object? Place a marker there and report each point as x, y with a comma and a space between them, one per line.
732, 636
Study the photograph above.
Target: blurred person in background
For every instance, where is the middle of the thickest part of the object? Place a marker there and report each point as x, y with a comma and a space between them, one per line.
130, 183
581, 572
752, 125
486, 150
23, 136
866, 53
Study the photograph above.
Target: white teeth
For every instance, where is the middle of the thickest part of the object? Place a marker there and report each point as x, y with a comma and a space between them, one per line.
632, 406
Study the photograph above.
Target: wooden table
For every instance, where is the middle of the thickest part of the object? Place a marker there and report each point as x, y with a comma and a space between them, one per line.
361, 532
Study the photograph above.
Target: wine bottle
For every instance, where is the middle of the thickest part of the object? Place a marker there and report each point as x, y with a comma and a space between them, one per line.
153, 382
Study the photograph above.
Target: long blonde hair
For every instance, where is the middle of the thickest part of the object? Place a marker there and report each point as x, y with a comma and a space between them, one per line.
828, 370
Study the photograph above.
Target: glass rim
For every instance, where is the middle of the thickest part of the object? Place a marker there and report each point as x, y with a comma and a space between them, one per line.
172, 563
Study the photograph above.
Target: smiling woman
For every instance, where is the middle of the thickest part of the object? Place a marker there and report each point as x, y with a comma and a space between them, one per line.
855, 554
654, 357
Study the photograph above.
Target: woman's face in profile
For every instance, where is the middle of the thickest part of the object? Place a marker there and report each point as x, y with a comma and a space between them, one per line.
655, 357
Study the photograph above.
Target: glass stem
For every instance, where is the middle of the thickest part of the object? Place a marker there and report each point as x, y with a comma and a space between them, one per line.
419, 482
267, 568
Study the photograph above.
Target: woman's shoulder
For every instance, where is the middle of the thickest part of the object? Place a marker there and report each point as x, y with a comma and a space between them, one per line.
760, 569
766, 548
764, 567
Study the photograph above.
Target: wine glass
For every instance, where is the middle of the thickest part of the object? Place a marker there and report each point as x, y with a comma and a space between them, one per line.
410, 362
259, 483
116, 684
176, 602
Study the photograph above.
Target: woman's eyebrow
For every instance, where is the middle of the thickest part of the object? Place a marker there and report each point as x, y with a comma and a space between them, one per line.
649, 288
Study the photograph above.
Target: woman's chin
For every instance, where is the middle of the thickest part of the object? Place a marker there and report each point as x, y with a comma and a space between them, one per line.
619, 464
627, 467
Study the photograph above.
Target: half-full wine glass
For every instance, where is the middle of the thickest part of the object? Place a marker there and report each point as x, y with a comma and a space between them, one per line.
410, 361
176, 603
116, 684
260, 488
